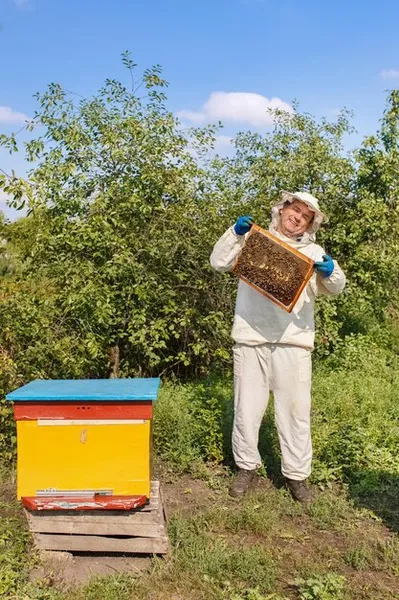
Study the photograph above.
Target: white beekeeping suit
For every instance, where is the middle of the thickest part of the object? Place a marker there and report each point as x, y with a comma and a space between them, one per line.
273, 350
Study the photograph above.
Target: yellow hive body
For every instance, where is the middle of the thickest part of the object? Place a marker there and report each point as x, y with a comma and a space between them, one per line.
85, 455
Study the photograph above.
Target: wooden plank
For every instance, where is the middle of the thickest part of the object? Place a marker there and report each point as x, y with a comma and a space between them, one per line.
154, 487
78, 543
148, 524
151, 530
86, 531
152, 505
38, 520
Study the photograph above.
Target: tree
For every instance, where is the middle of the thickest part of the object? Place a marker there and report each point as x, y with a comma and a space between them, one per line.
370, 240
119, 228
111, 268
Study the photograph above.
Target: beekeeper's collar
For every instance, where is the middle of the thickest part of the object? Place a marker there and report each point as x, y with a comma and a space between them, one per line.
307, 199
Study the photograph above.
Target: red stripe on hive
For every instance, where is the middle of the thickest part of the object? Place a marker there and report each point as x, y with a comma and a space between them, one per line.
90, 503
31, 411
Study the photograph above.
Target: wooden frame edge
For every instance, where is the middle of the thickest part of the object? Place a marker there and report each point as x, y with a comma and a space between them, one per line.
294, 251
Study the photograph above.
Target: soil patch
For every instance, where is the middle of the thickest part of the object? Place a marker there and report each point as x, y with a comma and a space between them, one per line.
187, 496
63, 570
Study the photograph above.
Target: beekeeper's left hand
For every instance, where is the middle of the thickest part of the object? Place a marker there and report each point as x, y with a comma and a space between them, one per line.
325, 267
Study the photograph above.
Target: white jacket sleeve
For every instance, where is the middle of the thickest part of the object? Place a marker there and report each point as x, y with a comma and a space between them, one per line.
329, 286
226, 250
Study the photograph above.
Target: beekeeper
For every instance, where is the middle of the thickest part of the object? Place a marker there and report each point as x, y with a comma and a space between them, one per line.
273, 347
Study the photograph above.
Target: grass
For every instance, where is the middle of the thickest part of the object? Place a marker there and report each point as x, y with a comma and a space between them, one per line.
266, 546
344, 547
355, 420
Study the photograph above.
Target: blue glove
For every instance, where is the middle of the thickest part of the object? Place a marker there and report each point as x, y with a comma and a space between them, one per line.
243, 225
325, 267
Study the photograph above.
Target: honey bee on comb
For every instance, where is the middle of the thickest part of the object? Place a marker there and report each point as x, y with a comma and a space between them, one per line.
273, 268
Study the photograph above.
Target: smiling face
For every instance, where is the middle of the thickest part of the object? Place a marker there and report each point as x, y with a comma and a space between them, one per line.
295, 218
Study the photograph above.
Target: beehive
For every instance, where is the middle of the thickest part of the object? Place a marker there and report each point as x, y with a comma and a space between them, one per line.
84, 437
84, 465
273, 268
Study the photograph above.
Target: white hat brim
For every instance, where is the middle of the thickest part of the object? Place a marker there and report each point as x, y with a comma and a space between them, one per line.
290, 197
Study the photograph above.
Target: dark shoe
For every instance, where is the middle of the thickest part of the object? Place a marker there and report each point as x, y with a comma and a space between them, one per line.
299, 490
242, 482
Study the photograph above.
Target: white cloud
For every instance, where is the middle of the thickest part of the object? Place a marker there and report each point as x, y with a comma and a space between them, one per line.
8, 116
189, 115
3, 201
390, 74
237, 107
223, 143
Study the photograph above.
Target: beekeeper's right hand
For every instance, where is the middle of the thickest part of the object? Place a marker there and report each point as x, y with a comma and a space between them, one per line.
243, 225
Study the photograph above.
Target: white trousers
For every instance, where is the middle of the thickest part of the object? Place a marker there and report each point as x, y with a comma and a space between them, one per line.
287, 371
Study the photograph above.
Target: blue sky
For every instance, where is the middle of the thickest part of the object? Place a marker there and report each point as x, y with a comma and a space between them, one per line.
223, 59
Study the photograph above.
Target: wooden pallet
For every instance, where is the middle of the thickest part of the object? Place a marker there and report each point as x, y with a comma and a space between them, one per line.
140, 531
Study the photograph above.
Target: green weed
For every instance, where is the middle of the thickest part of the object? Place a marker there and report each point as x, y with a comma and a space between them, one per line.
115, 587
359, 557
199, 550
332, 511
189, 423
260, 514
253, 594
13, 547
329, 586
388, 553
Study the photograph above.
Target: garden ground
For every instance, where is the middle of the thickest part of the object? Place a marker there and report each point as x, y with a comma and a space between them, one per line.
266, 546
